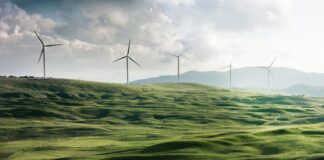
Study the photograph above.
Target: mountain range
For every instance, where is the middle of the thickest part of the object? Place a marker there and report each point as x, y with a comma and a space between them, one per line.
287, 80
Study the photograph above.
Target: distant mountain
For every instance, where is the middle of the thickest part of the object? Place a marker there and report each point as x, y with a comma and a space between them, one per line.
301, 89
247, 77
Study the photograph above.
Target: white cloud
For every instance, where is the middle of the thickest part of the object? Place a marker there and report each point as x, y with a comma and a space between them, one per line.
14, 20
97, 32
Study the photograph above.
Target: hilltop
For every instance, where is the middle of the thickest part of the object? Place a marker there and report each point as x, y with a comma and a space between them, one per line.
68, 119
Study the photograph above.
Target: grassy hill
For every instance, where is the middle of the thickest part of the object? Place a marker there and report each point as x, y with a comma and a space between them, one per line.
66, 119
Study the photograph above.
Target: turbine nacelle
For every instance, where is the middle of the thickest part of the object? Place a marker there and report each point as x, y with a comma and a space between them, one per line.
129, 58
179, 55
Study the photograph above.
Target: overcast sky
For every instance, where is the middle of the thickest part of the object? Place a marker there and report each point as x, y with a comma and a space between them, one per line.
96, 32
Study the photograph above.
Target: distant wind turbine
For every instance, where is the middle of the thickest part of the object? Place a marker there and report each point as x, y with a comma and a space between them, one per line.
127, 57
268, 68
43, 53
178, 57
230, 66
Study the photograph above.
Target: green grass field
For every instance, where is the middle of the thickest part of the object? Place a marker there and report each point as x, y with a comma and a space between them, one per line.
66, 119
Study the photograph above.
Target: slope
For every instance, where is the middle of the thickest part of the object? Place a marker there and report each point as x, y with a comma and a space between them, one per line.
67, 119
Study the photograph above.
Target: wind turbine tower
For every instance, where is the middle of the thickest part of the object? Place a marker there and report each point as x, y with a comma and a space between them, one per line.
268, 68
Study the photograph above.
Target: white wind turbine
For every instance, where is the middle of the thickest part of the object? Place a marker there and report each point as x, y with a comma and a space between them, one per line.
43, 53
178, 58
127, 57
268, 68
230, 66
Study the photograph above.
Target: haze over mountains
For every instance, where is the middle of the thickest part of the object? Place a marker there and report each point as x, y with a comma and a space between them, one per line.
284, 79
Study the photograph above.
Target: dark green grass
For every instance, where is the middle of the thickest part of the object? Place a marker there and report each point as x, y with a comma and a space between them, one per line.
68, 119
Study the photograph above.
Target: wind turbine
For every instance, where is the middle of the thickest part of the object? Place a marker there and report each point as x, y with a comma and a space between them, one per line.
127, 57
178, 57
268, 68
230, 66
43, 53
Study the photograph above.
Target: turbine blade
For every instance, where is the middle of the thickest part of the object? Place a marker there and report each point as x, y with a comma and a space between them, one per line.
39, 38
272, 62
51, 45
225, 67
119, 59
183, 51
134, 61
40, 56
262, 67
171, 54
129, 46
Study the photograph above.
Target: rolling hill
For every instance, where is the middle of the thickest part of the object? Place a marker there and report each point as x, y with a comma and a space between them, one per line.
68, 119
247, 77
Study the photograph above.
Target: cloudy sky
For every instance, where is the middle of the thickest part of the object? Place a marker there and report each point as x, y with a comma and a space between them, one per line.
96, 32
